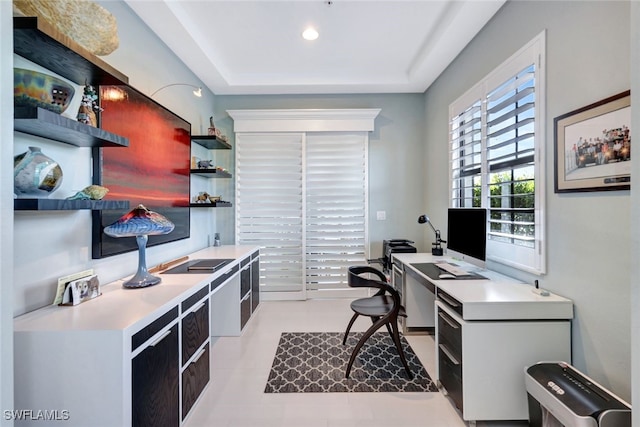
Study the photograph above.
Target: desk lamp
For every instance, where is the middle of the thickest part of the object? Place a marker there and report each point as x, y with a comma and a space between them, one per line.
140, 223
437, 248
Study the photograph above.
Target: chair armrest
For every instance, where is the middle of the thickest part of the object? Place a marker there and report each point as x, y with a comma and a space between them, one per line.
361, 269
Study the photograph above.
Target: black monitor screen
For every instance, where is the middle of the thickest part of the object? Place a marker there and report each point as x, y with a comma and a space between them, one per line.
467, 232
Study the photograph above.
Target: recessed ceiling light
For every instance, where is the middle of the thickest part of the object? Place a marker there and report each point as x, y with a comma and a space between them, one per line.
310, 34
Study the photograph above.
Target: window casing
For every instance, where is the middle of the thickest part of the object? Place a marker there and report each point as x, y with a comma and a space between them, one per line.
497, 157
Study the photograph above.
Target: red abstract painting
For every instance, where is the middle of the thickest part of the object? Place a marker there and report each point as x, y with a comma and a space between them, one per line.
153, 170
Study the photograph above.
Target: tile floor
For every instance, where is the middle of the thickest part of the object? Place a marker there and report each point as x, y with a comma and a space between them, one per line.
240, 366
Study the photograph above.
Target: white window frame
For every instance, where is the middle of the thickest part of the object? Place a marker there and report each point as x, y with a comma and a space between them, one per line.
531, 260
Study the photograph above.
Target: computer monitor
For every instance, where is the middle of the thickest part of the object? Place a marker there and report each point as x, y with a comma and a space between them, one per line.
467, 235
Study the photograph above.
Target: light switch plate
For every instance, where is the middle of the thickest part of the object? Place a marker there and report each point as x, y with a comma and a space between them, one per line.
381, 215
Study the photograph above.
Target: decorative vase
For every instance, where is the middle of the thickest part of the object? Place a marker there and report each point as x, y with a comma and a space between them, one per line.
35, 174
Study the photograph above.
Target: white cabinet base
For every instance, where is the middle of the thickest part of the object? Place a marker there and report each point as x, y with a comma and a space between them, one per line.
225, 309
494, 357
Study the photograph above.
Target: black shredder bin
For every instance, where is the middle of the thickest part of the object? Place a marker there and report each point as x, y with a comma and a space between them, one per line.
561, 396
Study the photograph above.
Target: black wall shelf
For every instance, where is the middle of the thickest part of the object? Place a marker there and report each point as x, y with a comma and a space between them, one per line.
64, 204
47, 124
40, 42
210, 173
210, 142
211, 205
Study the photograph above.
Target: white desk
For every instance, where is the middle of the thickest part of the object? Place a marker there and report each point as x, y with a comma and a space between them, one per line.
82, 359
487, 332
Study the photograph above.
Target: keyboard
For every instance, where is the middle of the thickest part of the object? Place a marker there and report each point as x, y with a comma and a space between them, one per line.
452, 269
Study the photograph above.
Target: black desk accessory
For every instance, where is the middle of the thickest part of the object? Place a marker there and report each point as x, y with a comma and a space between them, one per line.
432, 271
199, 266
437, 248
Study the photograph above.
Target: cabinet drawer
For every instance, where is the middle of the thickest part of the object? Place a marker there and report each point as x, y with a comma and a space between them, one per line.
255, 284
194, 379
195, 329
245, 310
450, 331
450, 375
245, 281
144, 334
193, 299
450, 302
226, 276
154, 383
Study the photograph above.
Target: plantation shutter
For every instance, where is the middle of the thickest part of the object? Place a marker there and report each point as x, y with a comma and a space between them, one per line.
269, 212
466, 156
510, 157
336, 200
496, 157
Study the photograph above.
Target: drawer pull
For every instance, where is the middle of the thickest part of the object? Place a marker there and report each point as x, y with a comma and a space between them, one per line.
448, 320
163, 336
199, 307
449, 301
447, 353
203, 351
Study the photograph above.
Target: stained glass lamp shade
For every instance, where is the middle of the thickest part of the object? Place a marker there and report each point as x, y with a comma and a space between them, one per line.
140, 223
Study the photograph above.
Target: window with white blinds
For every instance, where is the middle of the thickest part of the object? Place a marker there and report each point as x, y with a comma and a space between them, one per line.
336, 192
302, 198
270, 206
496, 151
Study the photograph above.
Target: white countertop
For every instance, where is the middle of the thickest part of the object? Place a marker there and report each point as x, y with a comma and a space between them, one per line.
498, 297
121, 309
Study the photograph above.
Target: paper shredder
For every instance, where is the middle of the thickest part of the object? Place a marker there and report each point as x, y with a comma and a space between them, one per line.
560, 396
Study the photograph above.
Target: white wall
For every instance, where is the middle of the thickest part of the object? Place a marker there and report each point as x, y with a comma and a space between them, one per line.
588, 245
6, 214
49, 245
635, 213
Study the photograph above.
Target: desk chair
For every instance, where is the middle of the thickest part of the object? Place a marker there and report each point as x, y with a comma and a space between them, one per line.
383, 308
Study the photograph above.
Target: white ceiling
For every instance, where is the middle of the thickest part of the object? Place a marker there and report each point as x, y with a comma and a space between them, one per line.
255, 47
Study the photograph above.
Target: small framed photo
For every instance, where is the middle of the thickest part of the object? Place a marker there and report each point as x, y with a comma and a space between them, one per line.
81, 290
593, 146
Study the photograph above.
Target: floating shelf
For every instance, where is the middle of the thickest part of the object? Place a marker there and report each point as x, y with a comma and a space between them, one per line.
210, 142
210, 173
47, 124
40, 42
64, 204
211, 205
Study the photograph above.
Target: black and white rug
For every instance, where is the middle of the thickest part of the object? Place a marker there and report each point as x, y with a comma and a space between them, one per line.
315, 362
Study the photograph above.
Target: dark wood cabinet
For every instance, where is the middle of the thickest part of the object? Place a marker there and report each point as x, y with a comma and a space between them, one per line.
245, 310
155, 376
245, 277
195, 330
195, 378
255, 281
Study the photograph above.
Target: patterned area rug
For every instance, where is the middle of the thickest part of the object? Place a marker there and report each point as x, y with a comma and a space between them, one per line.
315, 362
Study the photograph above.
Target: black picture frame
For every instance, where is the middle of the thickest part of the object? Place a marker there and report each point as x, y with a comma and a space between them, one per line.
154, 170
593, 146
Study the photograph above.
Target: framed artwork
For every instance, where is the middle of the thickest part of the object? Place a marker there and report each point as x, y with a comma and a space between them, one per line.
152, 171
593, 146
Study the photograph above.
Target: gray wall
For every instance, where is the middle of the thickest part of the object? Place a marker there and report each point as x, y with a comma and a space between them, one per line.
396, 168
588, 245
6, 214
48, 245
635, 213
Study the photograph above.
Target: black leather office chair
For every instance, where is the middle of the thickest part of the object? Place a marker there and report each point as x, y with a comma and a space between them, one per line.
383, 308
